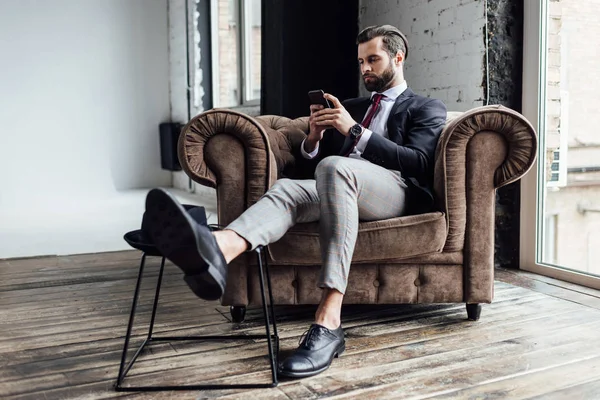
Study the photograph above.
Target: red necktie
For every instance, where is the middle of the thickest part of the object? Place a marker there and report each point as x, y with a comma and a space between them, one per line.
374, 108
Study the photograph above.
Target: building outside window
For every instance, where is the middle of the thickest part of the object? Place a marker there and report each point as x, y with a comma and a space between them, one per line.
564, 100
236, 42
572, 189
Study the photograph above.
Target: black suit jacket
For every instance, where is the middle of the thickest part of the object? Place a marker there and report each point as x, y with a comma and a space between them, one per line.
414, 127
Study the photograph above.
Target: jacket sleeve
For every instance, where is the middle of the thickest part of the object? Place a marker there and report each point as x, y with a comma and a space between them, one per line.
415, 157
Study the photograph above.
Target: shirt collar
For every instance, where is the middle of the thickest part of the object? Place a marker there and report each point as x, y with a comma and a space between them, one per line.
393, 92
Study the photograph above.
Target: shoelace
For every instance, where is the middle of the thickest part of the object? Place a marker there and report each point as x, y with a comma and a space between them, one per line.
308, 334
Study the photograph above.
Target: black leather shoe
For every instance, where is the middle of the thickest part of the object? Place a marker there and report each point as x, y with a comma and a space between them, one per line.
189, 245
318, 347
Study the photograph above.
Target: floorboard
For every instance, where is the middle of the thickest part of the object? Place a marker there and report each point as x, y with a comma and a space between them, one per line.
63, 320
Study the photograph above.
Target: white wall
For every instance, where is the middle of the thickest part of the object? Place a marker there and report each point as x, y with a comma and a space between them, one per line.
446, 48
83, 87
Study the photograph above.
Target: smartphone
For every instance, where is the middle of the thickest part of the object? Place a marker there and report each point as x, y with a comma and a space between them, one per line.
317, 97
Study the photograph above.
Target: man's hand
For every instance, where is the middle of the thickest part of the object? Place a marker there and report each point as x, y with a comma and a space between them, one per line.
315, 133
337, 117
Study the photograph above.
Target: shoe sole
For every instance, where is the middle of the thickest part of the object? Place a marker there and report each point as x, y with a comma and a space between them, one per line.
290, 374
173, 232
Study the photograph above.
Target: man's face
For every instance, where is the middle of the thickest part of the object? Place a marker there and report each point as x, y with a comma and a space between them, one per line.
377, 69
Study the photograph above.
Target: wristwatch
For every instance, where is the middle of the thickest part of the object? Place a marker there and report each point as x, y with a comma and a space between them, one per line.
355, 131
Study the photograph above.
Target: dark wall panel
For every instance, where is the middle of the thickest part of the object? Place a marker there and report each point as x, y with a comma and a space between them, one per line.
307, 44
505, 25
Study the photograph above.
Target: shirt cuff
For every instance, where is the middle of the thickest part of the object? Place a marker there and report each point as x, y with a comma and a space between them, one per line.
310, 155
364, 139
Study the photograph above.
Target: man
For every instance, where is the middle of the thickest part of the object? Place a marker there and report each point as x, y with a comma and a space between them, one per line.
378, 168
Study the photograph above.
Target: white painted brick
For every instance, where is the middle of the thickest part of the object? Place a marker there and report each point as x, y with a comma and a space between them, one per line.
430, 53
430, 23
470, 46
447, 17
470, 11
450, 34
475, 29
447, 65
436, 6
447, 50
470, 63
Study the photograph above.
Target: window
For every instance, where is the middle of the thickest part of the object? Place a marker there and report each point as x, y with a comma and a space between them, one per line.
560, 199
236, 44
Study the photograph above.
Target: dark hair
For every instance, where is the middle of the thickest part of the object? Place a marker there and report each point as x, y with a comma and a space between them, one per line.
393, 40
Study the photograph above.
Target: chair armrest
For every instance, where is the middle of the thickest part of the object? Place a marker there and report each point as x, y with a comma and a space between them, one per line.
518, 132
483, 149
478, 152
230, 151
248, 160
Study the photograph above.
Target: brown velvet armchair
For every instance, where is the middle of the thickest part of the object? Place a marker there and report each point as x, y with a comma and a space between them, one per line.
445, 256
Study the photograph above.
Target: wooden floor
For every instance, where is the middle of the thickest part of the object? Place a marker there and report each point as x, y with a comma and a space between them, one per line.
63, 319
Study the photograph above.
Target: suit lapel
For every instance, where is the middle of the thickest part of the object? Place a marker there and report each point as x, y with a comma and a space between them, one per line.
399, 106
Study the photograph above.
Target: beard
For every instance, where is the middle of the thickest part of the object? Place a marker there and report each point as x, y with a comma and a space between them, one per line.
380, 83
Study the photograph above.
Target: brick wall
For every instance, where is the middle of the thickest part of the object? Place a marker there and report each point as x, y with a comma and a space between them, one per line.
446, 46
228, 55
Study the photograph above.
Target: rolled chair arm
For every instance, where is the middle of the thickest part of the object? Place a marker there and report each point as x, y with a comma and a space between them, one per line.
511, 144
230, 151
203, 169
518, 132
478, 152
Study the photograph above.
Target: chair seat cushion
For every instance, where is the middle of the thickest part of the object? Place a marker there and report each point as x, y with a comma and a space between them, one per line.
389, 239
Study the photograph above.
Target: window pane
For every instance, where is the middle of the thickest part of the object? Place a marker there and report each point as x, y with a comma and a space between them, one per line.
253, 49
229, 63
571, 189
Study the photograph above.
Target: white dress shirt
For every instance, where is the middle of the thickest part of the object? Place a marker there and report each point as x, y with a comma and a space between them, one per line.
378, 124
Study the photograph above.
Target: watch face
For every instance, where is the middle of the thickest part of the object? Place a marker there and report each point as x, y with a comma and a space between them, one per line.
355, 130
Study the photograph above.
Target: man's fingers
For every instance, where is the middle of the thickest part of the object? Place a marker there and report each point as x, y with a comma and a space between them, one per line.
325, 112
315, 107
333, 99
322, 115
327, 121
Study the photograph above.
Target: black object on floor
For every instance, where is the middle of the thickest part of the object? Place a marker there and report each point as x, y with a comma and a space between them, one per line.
268, 314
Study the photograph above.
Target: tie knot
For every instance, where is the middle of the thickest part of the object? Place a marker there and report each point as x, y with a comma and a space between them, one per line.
377, 98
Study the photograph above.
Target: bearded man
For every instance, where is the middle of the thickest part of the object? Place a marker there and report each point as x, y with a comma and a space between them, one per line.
372, 158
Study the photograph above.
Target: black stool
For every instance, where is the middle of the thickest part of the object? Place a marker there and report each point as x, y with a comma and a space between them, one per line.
137, 240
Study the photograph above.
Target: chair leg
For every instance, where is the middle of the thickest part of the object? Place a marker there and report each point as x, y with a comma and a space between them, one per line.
473, 311
238, 313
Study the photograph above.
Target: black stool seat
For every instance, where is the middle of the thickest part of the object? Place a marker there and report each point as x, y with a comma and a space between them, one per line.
140, 241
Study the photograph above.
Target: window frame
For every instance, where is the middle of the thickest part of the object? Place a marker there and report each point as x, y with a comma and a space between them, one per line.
534, 88
243, 54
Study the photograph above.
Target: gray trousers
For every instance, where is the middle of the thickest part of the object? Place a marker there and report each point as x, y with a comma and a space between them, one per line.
344, 191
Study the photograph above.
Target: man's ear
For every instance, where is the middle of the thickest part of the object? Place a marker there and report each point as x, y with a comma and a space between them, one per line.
399, 57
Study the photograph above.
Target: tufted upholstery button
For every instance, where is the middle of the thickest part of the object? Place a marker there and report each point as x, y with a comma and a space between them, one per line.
376, 283
295, 284
417, 282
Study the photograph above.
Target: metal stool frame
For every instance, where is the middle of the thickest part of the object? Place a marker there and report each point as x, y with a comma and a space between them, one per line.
269, 317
